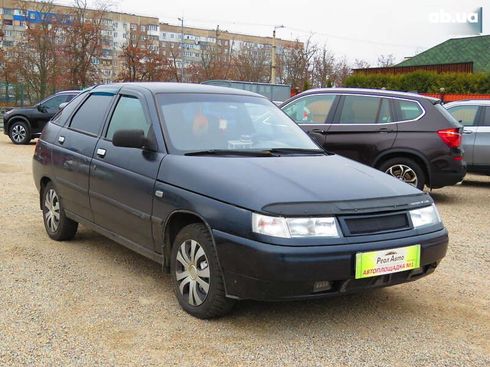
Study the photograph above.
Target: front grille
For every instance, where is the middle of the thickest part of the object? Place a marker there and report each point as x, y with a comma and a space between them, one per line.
376, 224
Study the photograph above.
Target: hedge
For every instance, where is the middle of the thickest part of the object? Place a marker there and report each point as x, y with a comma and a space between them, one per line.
423, 82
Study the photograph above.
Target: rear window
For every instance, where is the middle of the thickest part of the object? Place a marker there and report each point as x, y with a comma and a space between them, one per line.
64, 114
409, 110
446, 114
90, 117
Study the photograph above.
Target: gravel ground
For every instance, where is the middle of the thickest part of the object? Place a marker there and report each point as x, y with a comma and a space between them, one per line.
91, 302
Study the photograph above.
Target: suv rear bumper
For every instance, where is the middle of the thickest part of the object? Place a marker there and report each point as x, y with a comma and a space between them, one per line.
260, 271
448, 177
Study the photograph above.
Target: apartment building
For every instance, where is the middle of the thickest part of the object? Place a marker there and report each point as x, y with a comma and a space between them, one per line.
167, 38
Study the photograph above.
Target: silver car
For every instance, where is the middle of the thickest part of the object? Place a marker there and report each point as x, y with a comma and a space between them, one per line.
475, 117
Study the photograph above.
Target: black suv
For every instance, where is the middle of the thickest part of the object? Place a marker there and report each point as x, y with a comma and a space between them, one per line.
407, 135
25, 123
230, 196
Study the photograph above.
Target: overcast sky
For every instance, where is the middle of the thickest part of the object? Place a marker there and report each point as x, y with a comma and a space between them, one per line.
356, 29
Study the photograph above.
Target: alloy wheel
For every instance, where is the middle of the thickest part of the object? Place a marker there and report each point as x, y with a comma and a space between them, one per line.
52, 213
403, 173
192, 272
19, 133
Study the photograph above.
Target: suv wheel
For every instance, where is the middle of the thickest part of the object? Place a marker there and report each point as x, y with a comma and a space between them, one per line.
57, 224
406, 170
197, 279
20, 133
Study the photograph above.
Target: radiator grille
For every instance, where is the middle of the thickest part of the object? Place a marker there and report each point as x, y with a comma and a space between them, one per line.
377, 224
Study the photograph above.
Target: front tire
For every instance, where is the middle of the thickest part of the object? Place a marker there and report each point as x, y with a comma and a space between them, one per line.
20, 132
58, 226
406, 170
196, 275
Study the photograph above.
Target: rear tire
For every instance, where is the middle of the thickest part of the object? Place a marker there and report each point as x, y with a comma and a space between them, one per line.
58, 226
196, 274
20, 132
406, 170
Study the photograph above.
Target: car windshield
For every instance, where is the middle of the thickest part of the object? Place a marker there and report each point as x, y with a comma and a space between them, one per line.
218, 122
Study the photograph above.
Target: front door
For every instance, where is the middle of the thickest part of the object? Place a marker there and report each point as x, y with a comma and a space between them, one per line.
363, 126
123, 179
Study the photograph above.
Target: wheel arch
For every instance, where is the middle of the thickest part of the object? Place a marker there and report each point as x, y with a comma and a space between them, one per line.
175, 221
42, 184
14, 118
406, 153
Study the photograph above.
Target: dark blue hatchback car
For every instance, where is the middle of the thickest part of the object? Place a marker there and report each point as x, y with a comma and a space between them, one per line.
230, 196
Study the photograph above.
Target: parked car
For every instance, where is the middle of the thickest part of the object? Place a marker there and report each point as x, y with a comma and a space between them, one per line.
475, 117
26, 123
406, 135
230, 195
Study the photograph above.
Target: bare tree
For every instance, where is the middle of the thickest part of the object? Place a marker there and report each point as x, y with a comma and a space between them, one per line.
342, 71
386, 60
252, 64
323, 68
83, 38
361, 64
38, 54
296, 64
142, 60
216, 63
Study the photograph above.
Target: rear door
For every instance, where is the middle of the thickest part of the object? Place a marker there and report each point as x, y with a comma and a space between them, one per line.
310, 112
123, 179
481, 155
469, 117
362, 127
75, 147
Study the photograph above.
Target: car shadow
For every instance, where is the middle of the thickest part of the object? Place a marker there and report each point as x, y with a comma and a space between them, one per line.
476, 183
442, 197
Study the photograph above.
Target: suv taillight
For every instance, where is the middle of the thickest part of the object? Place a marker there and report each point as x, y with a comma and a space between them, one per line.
452, 137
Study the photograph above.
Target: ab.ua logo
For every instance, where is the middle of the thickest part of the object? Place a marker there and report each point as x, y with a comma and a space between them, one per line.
443, 16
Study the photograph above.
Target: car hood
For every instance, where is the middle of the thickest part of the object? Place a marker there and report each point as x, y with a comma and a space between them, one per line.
19, 110
291, 185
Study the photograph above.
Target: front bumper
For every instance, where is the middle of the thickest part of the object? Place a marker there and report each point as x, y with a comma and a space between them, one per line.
260, 271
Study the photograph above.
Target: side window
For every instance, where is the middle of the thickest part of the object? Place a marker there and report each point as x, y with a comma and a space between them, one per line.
464, 114
128, 114
408, 110
90, 117
310, 109
359, 110
486, 118
63, 115
54, 103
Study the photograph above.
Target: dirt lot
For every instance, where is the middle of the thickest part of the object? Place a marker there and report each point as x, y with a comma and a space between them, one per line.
91, 302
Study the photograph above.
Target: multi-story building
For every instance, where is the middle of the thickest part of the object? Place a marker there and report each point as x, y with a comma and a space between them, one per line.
168, 39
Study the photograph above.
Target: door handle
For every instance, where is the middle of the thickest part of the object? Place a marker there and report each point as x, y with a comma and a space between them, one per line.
386, 130
101, 152
467, 132
61, 139
319, 131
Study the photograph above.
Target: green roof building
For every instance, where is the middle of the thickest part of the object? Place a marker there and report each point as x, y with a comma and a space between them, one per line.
475, 50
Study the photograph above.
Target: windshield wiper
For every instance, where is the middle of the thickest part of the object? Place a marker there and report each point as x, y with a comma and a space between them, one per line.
296, 151
233, 152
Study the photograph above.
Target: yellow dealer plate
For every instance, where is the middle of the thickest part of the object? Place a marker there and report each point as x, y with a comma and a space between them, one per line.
371, 264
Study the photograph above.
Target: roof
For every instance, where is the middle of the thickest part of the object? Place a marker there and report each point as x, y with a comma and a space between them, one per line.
471, 102
378, 92
158, 87
456, 50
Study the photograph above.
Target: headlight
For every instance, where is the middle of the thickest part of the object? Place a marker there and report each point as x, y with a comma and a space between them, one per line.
294, 227
425, 216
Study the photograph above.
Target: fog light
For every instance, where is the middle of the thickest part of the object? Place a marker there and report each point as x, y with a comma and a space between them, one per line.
322, 286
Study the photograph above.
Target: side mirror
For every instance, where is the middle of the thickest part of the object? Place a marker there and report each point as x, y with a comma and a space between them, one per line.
63, 105
130, 139
41, 108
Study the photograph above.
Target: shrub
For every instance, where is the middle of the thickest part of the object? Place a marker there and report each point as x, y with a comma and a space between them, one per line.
424, 82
